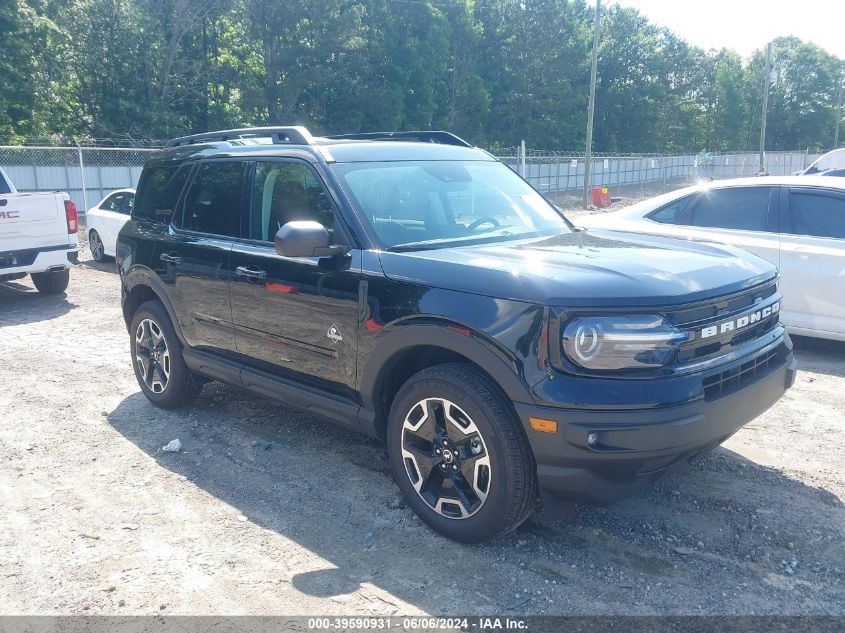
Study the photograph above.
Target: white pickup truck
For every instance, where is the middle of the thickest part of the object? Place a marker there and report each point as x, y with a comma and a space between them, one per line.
38, 237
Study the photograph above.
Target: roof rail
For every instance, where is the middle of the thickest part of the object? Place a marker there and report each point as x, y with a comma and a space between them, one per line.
294, 135
425, 136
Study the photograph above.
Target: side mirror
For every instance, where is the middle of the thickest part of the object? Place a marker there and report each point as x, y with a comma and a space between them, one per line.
305, 238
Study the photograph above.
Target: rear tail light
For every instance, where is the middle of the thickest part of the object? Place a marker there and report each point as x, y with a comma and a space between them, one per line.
72, 217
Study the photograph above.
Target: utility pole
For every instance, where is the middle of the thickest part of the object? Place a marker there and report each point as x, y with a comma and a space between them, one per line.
765, 108
592, 106
838, 112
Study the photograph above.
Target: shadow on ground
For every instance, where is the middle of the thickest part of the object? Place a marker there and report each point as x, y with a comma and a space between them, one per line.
107, 266
330, 490
820, 355
21, 303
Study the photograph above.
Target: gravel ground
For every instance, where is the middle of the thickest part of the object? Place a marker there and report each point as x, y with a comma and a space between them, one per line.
269, 511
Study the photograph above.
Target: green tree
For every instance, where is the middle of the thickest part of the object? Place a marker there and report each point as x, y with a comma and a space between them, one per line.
24, 31
802, 97
494, 71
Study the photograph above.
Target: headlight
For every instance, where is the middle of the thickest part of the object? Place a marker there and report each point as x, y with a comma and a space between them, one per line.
620, 342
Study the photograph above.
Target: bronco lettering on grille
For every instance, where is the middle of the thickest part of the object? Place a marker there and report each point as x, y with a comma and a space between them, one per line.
741, 322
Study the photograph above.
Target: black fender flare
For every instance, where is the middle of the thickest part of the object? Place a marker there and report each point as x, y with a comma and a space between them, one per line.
143, 276
475, 347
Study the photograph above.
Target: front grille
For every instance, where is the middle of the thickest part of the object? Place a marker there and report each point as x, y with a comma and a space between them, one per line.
713, 314
733, 379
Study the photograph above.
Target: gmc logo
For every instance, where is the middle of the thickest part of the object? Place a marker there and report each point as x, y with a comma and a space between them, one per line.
741, 322
10, 215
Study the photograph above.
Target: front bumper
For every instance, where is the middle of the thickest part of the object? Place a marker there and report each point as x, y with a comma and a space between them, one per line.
636, 447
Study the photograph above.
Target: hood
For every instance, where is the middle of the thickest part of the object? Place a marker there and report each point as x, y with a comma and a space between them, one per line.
595, 268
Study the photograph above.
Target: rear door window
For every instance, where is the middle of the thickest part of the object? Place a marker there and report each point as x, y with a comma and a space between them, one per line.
817, 214
124, 203
738, 208
214, 198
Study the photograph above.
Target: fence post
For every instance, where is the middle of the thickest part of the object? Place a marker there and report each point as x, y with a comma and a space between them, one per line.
557, 174
522, 158
82, 177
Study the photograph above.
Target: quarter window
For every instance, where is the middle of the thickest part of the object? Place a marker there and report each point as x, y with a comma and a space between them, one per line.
108, 203
284, 192
213, 201
158, 192
740, 208
817, 215
672, 213
4, 186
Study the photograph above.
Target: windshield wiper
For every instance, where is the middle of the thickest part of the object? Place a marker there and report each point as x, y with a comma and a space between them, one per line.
471, 240
410, 246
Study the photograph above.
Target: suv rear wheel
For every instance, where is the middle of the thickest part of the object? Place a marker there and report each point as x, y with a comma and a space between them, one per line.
52, 282
459, 455
157, 358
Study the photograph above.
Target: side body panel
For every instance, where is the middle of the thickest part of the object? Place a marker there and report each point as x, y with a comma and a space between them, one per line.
813, 278
300, 320
504, 337
196, 273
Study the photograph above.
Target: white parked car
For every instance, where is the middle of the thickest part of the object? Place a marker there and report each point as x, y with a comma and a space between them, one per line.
104, 221
795, 222
830, 164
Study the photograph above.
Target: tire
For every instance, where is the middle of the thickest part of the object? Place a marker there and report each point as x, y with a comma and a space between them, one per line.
157, 359
95, 245
489, 484
51, 282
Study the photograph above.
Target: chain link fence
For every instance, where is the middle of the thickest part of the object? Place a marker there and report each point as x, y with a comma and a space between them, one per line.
89, 173
560, 175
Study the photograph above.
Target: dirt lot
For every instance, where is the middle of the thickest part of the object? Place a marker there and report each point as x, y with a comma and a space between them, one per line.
268, 511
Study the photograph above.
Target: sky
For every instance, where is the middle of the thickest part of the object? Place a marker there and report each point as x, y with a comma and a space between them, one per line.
746, 25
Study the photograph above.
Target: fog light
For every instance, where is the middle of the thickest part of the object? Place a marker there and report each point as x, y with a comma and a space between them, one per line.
592, 438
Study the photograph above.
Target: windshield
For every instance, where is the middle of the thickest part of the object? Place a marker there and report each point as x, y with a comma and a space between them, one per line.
427, 204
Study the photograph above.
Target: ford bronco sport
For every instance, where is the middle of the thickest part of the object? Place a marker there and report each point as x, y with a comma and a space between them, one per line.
416, 289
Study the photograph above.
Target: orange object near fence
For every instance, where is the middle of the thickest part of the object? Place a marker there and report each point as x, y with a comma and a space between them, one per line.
601, 197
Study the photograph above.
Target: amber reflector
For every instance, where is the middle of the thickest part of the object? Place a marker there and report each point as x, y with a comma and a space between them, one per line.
544, 426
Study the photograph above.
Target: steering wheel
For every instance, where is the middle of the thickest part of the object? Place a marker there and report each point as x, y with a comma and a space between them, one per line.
485, 220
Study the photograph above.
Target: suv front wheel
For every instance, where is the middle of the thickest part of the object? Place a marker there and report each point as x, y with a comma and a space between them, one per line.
157, 358
459, 455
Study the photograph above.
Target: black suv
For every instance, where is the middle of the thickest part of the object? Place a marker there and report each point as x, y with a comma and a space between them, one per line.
414, 288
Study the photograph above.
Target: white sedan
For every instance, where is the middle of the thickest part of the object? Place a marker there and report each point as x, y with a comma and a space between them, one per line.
795, 222
104, 221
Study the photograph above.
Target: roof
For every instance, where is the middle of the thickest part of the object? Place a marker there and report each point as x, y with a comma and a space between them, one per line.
287, 141
793, 181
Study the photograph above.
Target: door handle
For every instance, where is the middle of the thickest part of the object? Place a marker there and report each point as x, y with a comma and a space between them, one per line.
173, 258
251, 272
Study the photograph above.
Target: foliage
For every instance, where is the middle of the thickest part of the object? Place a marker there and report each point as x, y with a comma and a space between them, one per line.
494, 71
